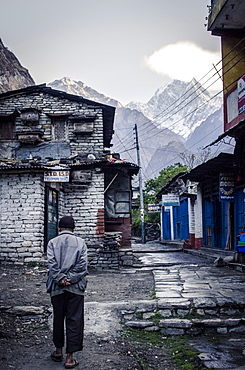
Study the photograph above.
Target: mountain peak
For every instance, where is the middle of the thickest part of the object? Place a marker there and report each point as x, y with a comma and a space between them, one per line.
180, 106
79, 88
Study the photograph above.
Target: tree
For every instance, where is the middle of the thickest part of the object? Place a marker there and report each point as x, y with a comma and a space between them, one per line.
192, 160
152, 187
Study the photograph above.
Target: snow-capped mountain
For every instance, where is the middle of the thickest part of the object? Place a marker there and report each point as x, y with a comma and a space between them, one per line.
179, 118
174, 113
79, 88
179, 106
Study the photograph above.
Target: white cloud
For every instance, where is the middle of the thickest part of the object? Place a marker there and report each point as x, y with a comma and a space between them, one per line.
185, 60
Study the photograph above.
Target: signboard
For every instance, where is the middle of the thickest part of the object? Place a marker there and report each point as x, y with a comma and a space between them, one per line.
241, 94
56, 176
170, 200
154, 208
226, 187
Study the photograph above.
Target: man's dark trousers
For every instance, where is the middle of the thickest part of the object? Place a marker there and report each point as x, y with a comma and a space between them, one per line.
70, 306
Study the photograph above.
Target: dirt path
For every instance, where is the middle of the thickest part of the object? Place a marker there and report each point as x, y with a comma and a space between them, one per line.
26, 340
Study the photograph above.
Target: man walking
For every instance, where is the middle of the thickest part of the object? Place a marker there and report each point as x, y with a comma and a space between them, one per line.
67, 263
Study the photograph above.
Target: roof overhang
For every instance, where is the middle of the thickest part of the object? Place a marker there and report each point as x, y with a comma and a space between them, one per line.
234, 132
172, 185
227, 16
108, 111
224, 162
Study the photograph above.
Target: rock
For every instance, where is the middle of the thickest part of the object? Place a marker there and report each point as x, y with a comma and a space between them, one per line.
139, 324
26, 310
219, 262
175, 323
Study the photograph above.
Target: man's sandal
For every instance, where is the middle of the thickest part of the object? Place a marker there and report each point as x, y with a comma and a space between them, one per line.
56, 358
72, 366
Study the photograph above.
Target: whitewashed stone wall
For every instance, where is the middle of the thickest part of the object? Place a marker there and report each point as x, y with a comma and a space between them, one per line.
84, 204
21, 217
49, 104
23, 195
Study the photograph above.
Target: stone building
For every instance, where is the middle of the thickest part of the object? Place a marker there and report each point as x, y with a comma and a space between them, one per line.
54, 161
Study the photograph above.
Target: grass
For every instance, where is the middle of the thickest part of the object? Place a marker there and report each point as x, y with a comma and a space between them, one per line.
153, 294
183, 354
156, 317
139, 315
143, 336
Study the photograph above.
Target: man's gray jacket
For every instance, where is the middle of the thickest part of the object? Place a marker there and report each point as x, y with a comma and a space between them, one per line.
67, 259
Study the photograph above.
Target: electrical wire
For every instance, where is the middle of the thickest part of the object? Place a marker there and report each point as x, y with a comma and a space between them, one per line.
209, 132
200, 87
194, 110
126, 150
194, 144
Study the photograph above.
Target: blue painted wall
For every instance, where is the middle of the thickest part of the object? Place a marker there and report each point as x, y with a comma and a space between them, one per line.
166, 231
181, 221
215, 220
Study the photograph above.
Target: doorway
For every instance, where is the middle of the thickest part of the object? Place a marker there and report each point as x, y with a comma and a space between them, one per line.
51, 215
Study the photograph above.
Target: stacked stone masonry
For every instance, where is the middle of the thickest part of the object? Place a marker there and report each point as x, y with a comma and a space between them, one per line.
23, 203
179, 319
49, 105
22, 217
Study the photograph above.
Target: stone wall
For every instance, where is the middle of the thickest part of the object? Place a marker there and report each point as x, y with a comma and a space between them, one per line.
21, 217
49, 105
84, 203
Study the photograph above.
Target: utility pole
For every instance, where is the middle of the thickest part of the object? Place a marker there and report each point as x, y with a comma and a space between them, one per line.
142, 212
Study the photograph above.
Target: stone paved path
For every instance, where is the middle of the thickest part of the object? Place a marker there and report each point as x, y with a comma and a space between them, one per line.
186, 281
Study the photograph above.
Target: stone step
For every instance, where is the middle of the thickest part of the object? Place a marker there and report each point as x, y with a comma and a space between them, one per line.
195, 326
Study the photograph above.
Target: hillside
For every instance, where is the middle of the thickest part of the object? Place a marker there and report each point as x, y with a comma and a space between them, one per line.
13, 75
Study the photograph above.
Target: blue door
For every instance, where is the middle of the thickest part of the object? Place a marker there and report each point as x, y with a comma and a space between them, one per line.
181, 220
166, 231
207, 223
184, 224
239, 212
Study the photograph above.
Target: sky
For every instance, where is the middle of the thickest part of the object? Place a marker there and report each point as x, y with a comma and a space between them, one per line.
125, 49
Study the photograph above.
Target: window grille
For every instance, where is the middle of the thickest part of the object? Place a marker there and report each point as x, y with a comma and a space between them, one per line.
60, 129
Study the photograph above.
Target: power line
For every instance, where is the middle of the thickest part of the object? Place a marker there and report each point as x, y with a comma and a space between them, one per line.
194, 110
126, 150
200, 87
152, 128
216, 127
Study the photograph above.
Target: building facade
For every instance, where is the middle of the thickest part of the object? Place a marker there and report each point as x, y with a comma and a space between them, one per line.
54, 161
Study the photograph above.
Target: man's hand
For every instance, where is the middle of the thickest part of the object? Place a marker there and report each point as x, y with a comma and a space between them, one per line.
65, 282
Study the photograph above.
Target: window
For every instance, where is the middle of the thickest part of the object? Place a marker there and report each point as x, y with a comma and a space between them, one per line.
6, 127
122, 204
60, 128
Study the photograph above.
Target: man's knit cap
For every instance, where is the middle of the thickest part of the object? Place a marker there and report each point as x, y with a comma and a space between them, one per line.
67, 222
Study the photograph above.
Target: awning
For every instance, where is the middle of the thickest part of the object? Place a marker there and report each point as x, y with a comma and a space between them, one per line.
224, 162
233, 132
